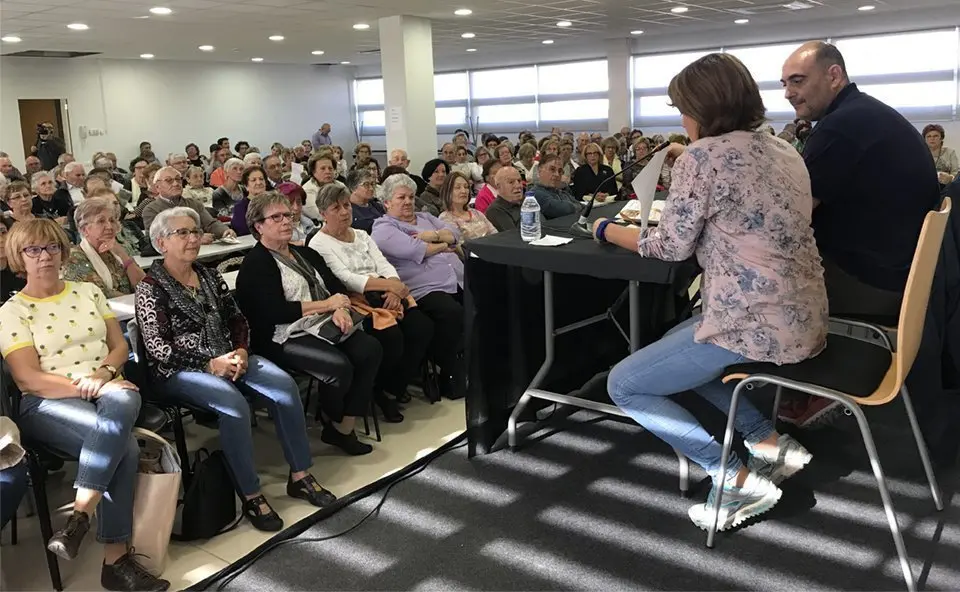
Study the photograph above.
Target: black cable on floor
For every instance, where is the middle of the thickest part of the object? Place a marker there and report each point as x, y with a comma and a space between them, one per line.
270, 546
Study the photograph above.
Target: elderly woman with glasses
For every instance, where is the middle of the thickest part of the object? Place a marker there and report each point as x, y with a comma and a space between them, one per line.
588, 176
362, 185
197, 351
423, 250
17, 197
100, 258
403, 331
65, 349
303, 227
300, 317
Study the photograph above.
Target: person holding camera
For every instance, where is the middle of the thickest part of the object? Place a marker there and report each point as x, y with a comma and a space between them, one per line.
49, 147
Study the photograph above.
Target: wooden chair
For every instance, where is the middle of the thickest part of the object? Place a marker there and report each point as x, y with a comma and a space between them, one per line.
856, 373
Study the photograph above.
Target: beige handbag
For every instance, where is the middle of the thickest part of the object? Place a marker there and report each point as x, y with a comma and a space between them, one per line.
155, 502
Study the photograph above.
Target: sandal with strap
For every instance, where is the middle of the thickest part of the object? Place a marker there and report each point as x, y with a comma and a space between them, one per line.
310, 490
269, 521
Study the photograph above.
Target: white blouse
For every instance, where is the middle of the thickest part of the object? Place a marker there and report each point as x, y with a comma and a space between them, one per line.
295, 289
353, 263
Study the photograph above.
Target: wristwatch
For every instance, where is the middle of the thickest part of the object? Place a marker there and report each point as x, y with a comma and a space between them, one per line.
110, 369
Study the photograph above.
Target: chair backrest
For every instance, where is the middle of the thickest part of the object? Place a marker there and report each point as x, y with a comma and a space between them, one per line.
139, 355
913, 311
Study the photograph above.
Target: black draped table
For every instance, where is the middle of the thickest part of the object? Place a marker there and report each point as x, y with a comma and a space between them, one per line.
543, 321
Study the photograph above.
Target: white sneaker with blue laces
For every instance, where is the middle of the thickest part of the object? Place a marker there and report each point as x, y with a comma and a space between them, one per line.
788, 459
739, 504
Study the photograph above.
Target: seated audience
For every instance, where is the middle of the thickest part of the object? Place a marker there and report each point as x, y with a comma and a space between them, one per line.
504, 153
403, 331
944, 159
588, 176
274, 168
448, 153
170, 195
131, 237
730, 168
64, 348
16, 196
73, 176
455, 194
361, 151
254, 183
525, 155
290, 297
471, 170
137, 183
399, 157
196, 340
362, 184
488, 192
241, 149
568, 161
434, 172
342, 168
230, 190
482, 155
303, 227
552, 193
423, 251
196, 189
177, 160
194, 158
322, 168
216, 171
10, 282
504, 212
149, 194
33, 166
100, 258
611, 148
370, 164
548, 147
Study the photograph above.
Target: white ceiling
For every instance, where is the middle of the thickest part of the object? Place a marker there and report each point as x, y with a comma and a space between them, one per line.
505, 28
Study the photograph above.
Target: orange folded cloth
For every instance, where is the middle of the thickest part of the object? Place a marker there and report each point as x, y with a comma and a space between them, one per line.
382, 318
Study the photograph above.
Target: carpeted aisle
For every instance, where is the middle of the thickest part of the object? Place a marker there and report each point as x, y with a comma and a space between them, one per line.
593, 504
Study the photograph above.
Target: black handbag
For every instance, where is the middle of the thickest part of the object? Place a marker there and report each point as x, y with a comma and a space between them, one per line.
209, 503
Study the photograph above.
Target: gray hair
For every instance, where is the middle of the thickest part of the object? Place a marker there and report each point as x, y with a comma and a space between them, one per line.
195, 169
251, 156
358, 176
330, 194
476, 154
39, 176
103, 163
160, 171
259, 204
176, 155
232, 162
62, 159
394, 182
90, 208
71, 166
160, 227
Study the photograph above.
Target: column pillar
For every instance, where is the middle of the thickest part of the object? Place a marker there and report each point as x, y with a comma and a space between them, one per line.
618, 72
406, 57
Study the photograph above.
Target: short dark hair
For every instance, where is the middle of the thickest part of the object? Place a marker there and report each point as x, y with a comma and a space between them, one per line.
250, 171
548, 158
387, 172
222, 140
431, 167
187, 147
932, 127
489, 165
142, 144
719, 93
214, 147
828, 55
236, 147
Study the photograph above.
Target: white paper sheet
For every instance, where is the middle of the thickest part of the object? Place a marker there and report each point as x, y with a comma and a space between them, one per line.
296, 172
645, 184
550, 241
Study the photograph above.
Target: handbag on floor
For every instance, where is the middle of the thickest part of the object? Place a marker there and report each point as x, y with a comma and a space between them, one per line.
155, 501
210, 501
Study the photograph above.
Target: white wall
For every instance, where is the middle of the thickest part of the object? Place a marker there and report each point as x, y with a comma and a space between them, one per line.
172, 103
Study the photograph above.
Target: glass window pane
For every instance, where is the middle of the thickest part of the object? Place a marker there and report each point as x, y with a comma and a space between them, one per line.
451, 116
656, 71
506, 113
894, 54
575, 110
563, 79
369, 91
495, 84
373, 118
765, 62
450, 87
658, 106
775, 102
917, 94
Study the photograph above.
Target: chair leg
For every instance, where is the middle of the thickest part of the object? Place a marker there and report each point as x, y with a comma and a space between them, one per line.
180, 439
884, 493
306, 404
922, 449
13, 529
366, 425
684, 473
727, 445
776, 405
376, 422
39, 478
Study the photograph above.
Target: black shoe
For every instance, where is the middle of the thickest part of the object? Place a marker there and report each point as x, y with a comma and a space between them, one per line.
403, 397
346, 442
66, 542
127, 574
389, 407
308, 489
269, 522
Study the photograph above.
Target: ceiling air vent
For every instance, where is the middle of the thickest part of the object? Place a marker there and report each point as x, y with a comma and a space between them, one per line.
369, 52
47, 53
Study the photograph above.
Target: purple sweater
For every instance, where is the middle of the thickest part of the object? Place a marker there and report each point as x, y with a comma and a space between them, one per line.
239, 220
442, 272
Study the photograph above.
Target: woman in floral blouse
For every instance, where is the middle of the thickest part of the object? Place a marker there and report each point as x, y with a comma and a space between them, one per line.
741, 202
455, 194
101, 258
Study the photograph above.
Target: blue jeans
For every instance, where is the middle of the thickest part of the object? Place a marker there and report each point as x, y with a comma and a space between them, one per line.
97, 433
227, 399
13, 484
642, 383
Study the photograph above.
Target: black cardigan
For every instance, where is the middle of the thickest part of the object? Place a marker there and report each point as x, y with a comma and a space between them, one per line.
259, 293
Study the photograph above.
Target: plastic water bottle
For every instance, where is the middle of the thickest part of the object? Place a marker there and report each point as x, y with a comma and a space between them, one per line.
529, 218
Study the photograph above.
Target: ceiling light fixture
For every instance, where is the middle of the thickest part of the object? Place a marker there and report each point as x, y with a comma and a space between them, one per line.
317, 52
146, 56
10, 39
547, 42
77, 27
866, 8
637, 32
564, 24
256, 59
205, 48
275, 37
361, 26
345, 63
741, 21
679, 9
161, 10
463, 12
471, 49
468, 35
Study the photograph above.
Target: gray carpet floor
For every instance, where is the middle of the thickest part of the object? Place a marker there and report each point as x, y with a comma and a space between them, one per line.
592, 503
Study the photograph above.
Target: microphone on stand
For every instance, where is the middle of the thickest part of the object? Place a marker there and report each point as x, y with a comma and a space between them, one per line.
580, 226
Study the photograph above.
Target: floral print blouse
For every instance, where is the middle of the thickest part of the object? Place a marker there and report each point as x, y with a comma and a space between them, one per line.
741, 202
476, 227
79, 269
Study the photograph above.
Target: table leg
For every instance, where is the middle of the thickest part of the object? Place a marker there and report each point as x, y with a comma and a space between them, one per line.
634, 289
548, 322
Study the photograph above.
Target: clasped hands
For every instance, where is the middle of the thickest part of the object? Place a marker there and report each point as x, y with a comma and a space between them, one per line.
93, 386
231, 365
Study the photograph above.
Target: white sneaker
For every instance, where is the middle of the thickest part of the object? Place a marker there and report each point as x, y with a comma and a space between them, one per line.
789, 459
739, 504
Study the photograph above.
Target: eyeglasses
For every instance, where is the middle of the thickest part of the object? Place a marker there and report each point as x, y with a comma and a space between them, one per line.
18, 196
34, 251
369, 185
186, 232
280, 217
170, 181
593, 153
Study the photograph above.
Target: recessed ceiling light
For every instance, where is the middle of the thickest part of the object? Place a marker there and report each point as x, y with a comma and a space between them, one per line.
564, 24
463, 12
547, 42
275, 37
742, 21
146, 56
866, 7
345, 63
11, 39
77, 27
162, 10
471, 49
206, 48
679, 9
361, 26
256, 59
317, 52
637, 32
468, 35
